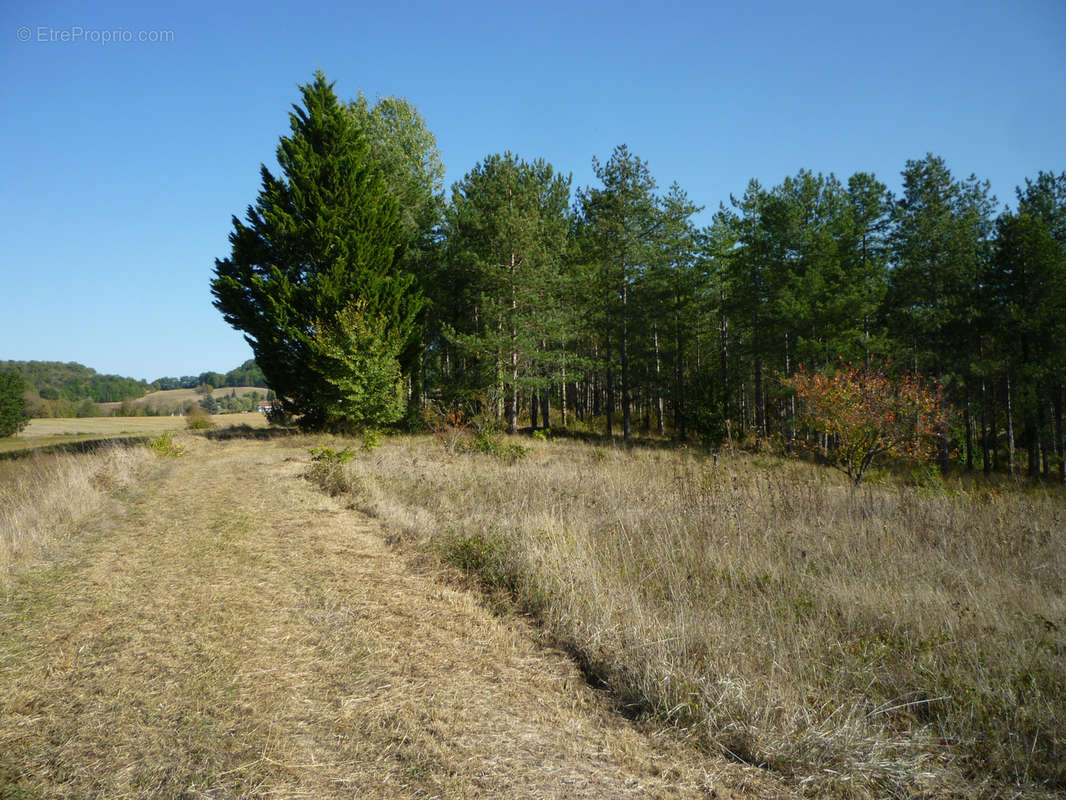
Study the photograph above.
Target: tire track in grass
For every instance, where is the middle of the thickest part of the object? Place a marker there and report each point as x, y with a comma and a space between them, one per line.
227, 631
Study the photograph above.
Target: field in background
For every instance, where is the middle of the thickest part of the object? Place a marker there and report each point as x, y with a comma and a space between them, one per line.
175, 400
888, 640
49, 432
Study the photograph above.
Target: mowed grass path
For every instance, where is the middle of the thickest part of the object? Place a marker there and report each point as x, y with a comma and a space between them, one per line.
225, 630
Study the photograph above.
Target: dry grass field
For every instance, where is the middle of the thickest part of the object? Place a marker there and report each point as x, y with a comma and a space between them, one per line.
217, 626
883, 641
170, 401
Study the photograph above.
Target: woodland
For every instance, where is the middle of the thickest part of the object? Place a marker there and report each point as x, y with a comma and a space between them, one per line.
368, 293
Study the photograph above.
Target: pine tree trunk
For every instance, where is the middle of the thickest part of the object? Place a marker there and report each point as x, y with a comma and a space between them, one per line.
1044, 443
1032, 448
986, 459
723, 360
1010, 429
533, 409
562, 398
679, 388
658, 383
609, 402
969, 432
993, 426
791, 433
627, 422
499, 410
760, 406
545, 406
1058, 433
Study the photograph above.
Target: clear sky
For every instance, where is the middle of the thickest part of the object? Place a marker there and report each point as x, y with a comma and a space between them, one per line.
122, 162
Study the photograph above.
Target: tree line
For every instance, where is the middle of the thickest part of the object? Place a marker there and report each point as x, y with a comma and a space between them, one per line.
366, 292
247, 374
58, 389
73, 382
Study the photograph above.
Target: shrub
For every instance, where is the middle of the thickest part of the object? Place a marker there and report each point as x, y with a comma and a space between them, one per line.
460, 432
327, 469
164, 445
197, 419
371, 440
864, 414
492, 443
452, 428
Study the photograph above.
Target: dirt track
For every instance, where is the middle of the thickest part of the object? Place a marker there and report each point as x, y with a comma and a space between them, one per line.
228, 631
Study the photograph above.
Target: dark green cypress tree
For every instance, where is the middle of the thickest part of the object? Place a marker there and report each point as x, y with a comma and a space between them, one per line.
323, 237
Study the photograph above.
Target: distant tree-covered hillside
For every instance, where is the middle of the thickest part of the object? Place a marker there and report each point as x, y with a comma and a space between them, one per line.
57, 389
247, 374
54, 380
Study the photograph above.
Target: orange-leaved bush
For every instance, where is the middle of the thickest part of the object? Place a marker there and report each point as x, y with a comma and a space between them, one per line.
864, 413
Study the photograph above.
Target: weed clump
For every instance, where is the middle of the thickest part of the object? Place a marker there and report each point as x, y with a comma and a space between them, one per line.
164, 445
328, 469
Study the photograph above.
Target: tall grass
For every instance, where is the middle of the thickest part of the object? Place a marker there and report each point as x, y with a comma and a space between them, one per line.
864, 642
42, 496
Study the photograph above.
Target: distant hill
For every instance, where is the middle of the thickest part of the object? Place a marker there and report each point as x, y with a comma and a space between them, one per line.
73, 382
225, 400
247, 374
57, 389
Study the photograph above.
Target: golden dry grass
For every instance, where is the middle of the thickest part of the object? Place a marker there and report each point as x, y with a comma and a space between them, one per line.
227, 630
44, 497
883, 641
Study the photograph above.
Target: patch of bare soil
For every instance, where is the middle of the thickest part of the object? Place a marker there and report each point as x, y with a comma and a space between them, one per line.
225, 630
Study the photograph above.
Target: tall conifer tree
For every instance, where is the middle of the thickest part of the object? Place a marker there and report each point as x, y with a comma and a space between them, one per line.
507, 229
323, 238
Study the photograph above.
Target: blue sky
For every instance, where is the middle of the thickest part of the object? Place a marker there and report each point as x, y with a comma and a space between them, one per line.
123, 162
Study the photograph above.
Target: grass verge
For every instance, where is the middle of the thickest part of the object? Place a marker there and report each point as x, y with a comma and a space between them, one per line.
44, 495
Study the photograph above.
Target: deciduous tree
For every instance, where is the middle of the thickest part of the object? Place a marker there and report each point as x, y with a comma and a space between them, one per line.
13, 416
864, 414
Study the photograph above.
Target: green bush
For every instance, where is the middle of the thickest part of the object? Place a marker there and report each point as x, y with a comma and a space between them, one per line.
493, 444
371, 440
327, 469
164, 445
486, 554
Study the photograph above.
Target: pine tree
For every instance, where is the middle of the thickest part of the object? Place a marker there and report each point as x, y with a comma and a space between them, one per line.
323, 236
621, 222
941, 244
507, 232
